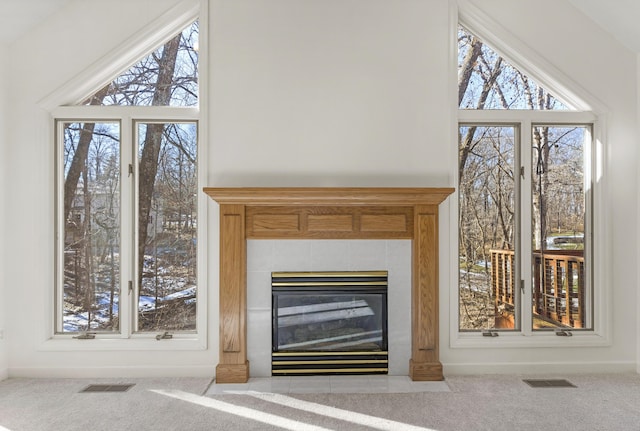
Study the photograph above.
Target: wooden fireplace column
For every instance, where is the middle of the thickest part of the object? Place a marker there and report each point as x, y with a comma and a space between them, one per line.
328, 213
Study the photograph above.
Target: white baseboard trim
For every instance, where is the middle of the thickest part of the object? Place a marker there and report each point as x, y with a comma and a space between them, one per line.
113, 372
540, 368
209, 371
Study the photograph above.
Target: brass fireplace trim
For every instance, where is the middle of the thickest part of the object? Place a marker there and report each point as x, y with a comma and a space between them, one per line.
351, 353
336, 371
329, 283
318, 274
328, 213
335, 363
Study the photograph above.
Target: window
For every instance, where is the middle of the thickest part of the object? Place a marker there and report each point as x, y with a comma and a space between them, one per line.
127, 207
525, 227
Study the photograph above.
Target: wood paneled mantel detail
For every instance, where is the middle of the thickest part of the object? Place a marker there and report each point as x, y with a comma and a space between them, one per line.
328, 213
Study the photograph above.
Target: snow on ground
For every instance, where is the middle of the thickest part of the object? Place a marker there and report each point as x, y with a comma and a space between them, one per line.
77, 321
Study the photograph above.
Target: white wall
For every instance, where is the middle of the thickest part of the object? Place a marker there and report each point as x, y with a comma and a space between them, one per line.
4, 204
328, 93
314, 93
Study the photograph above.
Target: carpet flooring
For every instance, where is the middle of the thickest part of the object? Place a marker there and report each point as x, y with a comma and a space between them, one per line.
502, 402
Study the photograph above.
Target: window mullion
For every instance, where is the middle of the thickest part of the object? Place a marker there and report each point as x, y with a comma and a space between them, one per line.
525, 199
127, 241
591, 172
60, 228
134, 141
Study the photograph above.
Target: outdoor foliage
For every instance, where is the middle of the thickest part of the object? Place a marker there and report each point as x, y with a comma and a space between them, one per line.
165, 199
489, 171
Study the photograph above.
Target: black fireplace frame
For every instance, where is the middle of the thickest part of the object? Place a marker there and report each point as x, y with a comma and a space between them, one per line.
334, 361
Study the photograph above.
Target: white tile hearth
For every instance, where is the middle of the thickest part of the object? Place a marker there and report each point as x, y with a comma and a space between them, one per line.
370, 384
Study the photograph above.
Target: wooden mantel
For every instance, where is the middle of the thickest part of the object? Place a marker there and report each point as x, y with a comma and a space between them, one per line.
328, 213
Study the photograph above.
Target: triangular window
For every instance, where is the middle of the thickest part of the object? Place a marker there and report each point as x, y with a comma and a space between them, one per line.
488, 81
168, 76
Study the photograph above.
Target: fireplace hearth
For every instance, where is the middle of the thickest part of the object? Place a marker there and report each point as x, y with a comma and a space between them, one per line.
329, 323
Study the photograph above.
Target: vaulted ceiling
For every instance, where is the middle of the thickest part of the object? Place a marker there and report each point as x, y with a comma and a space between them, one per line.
618, 17
17, 17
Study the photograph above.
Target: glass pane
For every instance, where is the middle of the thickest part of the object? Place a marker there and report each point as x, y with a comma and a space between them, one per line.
560, 298
91, 163
167, 226
329, 322
166, 77
487, 81
488, 297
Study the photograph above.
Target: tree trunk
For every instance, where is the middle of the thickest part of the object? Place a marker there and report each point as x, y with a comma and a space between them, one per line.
80, 156
89, 287
541, 145
468, 64
467, 146
151, 148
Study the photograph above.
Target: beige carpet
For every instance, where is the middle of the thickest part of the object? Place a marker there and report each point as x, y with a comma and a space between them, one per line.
598, 402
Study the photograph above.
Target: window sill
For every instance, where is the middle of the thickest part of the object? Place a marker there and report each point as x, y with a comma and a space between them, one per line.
66, 343
475, 340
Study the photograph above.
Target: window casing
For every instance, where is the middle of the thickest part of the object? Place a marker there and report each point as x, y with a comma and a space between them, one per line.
593, 329
513, 267
131, 299
131, 302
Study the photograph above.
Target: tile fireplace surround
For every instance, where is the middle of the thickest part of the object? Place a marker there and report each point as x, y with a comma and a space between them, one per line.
328, 213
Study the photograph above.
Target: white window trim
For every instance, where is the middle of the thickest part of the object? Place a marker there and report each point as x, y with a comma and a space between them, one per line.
588, 110
54, 109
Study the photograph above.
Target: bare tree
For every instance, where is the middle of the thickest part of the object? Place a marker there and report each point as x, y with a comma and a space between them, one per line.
486, 165
167, 76
80, 155
151, 147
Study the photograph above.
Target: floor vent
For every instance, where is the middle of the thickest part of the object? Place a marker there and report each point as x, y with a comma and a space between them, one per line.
108, 388
549, 383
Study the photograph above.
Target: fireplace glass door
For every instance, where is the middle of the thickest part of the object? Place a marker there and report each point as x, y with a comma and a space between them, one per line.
329, 321
329, 311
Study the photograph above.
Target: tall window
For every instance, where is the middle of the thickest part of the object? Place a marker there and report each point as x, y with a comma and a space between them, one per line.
127, 208
525, 190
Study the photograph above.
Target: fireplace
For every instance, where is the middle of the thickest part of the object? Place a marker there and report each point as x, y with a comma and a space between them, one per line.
328, 213
329, 323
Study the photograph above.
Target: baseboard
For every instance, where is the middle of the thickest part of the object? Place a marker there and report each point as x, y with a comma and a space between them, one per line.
113, 372
540, 368
4, 374
209, 371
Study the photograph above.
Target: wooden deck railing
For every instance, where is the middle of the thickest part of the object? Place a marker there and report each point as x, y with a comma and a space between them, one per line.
558, 286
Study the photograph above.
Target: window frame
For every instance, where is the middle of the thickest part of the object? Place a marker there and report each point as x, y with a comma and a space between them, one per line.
525, 336
128, 117
519, 142
587, 110
60, 107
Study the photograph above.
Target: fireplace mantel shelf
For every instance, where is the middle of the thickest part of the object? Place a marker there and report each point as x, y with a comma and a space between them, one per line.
328, 213
329, 195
